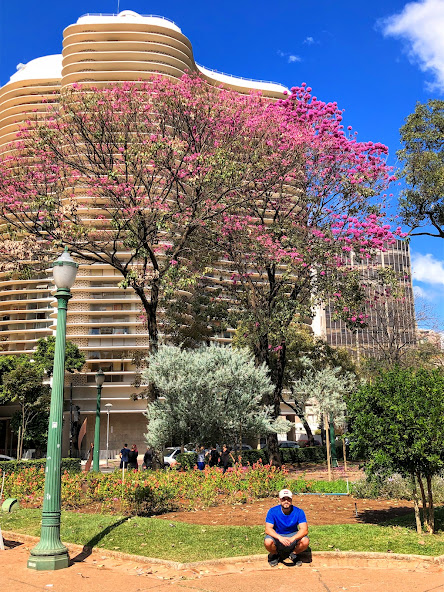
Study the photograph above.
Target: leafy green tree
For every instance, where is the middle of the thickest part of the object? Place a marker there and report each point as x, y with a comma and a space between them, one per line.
303, 351
8, 363
398, 425
211, 394
44, 356
422, 135
23, 386
21, 383
193, 317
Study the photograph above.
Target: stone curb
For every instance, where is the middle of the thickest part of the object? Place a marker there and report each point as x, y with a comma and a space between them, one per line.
319, 558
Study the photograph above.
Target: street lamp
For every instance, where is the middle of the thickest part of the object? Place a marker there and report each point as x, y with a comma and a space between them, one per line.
50, 553
108, 407
100, 379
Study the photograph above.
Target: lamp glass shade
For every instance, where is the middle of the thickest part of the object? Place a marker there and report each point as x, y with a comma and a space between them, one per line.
64, 271
100, 378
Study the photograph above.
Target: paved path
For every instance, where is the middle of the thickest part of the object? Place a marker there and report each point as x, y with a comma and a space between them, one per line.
101, 573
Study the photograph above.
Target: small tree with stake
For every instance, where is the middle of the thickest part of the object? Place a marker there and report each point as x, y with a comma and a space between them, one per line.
398, 425
329, 387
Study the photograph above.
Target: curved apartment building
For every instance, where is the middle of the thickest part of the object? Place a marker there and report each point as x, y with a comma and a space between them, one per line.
103, 320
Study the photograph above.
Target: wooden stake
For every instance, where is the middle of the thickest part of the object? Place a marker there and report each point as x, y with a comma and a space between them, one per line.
327, 440
344, 454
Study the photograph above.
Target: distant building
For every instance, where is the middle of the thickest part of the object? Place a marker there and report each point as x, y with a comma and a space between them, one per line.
390, 327
436, 338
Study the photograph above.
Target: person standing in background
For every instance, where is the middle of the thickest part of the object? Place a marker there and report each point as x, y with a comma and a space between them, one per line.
132, 458
200, 458
124, 456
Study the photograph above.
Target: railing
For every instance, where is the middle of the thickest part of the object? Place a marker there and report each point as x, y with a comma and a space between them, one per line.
239, 77
164, 18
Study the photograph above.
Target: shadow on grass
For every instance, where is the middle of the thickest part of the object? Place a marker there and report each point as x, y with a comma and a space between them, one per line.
88, 547
391, 515
402, 516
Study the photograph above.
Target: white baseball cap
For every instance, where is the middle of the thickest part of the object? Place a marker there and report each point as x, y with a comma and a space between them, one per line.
285, 493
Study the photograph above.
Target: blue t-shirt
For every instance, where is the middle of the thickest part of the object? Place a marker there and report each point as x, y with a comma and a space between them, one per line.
125, 454
285, 524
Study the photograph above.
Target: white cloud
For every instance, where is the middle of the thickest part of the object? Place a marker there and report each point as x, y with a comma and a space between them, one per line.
291, 58
423, 294
308, 41
419, 292
421, 24
427, 269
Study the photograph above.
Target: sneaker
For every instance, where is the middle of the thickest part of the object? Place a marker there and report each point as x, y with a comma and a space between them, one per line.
295, 559
273, 559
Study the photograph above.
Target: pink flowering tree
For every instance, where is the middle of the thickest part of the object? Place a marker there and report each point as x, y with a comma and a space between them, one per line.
136, 176
292, 249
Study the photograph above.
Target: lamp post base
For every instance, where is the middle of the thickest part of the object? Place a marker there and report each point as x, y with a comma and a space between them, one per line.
48, 562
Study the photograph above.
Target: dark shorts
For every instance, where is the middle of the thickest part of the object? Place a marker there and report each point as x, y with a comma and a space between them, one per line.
283, 549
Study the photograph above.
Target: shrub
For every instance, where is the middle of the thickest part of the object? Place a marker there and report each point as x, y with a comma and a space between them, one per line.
187, 460
72, 465
313, 454
393, 486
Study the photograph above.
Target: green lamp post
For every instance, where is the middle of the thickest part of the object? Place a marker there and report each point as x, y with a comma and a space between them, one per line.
50, 553
100, 379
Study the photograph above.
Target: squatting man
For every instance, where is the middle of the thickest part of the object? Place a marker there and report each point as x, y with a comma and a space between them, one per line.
286, 530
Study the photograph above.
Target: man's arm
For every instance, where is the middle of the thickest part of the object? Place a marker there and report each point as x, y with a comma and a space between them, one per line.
302, 531
287, 541
269, 529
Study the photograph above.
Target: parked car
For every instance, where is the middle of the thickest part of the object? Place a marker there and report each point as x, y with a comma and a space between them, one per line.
304, 443
288, 444
244, 447
5, 457
170, 456
283, 444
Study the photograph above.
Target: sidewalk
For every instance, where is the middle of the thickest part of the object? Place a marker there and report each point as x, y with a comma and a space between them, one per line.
100, 572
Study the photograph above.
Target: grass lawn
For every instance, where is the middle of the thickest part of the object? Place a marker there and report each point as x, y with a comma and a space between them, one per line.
188, 542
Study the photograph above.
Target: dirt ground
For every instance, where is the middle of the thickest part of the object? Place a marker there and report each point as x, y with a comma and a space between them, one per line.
319, 509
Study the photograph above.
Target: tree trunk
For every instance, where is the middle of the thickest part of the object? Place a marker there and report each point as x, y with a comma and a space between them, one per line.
272, 441
150, 307
416, 505
307, 428
431, 520
261, 354
344, 453
425, 513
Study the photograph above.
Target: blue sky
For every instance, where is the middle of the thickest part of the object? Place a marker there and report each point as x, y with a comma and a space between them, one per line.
376, 59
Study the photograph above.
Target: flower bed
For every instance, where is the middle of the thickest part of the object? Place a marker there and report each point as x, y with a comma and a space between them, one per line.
151, 492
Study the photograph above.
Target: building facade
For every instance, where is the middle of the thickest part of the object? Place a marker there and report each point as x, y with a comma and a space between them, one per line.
103, 320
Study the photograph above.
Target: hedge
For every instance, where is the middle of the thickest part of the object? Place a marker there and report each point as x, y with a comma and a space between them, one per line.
312, 454
188, 460
71, 465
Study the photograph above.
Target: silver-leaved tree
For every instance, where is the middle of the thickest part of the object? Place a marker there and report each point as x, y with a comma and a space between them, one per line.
208, 395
